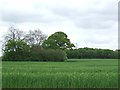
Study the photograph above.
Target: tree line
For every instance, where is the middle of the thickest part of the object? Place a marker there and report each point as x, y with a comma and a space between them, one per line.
34, 45
92, 53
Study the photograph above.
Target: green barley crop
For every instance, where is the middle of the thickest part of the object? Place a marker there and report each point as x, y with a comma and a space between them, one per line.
79, 74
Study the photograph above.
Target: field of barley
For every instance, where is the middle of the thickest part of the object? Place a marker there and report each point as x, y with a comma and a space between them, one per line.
82, 73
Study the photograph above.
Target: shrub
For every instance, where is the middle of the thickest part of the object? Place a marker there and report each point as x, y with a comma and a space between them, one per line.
48, 55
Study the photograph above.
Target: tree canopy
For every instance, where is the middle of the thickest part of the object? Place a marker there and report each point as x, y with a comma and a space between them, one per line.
58, 40
28, 47
35, 37
16, 50
17, 45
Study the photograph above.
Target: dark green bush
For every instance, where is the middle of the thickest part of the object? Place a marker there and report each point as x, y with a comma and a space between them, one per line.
36, 53
48, 55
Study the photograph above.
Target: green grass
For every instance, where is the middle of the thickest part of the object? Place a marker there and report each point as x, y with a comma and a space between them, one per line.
82, 73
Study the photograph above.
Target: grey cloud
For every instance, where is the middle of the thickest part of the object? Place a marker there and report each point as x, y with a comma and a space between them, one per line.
94, 18
36, 16
94, 22
97, 41
17, 17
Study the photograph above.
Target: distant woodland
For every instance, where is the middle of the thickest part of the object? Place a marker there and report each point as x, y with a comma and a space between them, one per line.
37, 46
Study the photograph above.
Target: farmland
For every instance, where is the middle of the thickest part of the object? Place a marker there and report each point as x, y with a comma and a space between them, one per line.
81, 73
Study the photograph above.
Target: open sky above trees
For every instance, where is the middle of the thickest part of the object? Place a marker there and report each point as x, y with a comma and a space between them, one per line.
89, 23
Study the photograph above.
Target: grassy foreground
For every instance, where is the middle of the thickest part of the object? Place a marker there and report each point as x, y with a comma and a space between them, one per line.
80, 74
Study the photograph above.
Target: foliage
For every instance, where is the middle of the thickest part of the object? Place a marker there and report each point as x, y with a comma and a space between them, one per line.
39, 54
91, 53
15, 46
20, 51
75, 74
16, 50
118, 52
33, 46
58, 40
12, 34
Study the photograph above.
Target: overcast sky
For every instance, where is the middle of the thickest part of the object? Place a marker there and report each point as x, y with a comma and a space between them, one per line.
89, 23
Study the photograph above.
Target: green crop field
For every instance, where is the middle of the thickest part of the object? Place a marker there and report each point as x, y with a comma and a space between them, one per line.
82, 73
